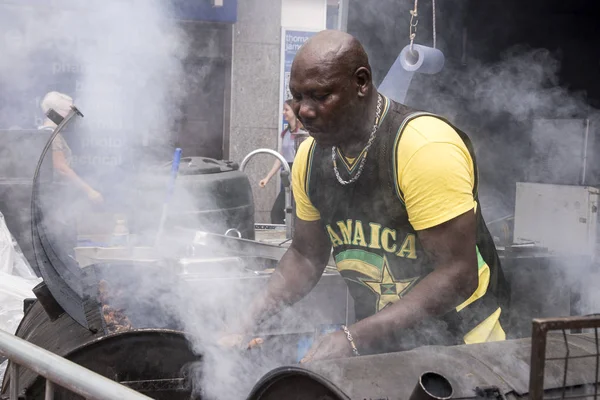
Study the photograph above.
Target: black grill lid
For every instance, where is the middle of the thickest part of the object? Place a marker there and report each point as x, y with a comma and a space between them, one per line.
60, 272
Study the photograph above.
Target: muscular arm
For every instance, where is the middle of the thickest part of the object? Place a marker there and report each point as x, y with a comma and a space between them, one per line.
296, 275
451, 246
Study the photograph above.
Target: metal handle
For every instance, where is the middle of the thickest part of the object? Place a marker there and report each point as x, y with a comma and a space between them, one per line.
233, 230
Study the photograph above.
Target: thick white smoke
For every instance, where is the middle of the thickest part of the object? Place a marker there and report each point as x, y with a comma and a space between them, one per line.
526, 124
127, 62
128, 56
526, 127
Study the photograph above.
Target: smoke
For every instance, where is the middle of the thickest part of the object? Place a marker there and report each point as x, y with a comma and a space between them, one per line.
206, 298
219, 306
123, 63
127, 58
526, 127
501, 106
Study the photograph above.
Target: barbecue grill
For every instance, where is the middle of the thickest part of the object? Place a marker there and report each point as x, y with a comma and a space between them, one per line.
120, 311
551, 365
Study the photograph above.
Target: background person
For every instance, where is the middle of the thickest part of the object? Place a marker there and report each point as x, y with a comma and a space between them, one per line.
291, 137
61, 152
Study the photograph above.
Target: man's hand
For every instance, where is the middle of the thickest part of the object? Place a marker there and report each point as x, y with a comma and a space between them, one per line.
333, 345
263, 182
296, 274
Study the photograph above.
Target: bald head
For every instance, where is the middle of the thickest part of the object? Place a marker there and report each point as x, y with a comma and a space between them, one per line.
334, 49
331, 85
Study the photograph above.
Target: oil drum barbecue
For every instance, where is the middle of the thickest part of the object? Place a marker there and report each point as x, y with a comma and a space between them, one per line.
553, 364
88, 316
99, 315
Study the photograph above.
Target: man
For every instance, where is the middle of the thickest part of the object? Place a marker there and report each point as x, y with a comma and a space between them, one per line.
61, 152
395, 194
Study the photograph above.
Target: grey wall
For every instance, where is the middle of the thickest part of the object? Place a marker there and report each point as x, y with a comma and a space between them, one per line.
204, 115
255, 107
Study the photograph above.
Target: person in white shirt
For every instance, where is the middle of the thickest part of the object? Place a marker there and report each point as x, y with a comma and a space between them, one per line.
61, 152
291, 137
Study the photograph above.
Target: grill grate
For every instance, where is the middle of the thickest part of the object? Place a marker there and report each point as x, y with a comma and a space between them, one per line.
158, 385
541, 328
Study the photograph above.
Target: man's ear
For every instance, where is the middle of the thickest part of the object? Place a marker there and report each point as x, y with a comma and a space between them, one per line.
362, 77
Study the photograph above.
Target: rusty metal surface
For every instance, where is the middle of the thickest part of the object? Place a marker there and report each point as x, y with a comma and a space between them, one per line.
548, 364
512, 363
504, 365
158, 385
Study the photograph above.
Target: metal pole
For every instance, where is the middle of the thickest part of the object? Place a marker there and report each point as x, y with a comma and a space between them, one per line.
14, 381
49, 390
538, 360
63, 372
289, 218
465, 38
585, 150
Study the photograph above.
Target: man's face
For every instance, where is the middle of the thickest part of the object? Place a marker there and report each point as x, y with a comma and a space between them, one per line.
323, 100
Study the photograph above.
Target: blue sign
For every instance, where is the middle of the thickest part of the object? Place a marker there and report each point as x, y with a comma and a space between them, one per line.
291, 41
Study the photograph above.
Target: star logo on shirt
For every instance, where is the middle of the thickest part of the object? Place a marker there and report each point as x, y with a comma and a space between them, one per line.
387, 289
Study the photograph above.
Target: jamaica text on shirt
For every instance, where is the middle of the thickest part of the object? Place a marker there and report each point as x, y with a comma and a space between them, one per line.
352, 233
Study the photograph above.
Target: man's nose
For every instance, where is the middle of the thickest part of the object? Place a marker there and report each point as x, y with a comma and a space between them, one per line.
306, 111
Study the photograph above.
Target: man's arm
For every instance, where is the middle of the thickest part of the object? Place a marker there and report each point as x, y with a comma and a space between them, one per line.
296, 275
452, 249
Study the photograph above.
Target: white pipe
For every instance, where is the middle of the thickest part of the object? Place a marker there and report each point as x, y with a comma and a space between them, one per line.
585, 150
63, 372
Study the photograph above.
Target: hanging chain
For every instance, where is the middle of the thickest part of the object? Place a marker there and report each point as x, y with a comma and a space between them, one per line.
366, 150
434, 28
414, 21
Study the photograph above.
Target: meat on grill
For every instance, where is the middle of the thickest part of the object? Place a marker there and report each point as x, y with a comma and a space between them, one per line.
116, 320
